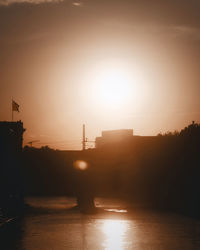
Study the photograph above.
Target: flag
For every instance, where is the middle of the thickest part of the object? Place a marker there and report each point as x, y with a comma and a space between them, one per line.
15, 106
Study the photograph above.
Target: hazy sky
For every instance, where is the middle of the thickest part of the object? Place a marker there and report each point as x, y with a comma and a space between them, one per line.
52, 54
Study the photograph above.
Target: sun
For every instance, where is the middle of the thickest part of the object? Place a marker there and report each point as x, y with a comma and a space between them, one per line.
112, 86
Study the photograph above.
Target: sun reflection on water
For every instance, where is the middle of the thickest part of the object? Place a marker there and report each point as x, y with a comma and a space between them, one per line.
115, 231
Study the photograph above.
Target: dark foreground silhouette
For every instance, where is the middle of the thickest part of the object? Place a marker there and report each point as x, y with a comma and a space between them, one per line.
160, 172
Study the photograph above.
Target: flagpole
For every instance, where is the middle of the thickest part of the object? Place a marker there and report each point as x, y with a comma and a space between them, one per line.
12, 109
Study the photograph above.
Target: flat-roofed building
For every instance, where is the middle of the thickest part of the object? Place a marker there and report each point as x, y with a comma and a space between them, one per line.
113, 136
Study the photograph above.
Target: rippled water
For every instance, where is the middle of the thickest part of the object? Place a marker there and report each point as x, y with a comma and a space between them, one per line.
53, 224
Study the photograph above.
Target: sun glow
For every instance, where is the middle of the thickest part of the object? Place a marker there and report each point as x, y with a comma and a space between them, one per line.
117, 86
115, 232
116, 91
111, 85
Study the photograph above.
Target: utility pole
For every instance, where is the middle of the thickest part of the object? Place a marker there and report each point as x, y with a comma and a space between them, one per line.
84, 140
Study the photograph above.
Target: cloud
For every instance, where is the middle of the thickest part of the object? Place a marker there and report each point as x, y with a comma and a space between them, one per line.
76, 3
164, 29
192, 32
9, 2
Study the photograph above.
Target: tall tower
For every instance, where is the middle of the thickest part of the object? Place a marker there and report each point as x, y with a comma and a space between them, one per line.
83, 141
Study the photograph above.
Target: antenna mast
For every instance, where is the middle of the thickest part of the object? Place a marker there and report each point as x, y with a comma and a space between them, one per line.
84, 140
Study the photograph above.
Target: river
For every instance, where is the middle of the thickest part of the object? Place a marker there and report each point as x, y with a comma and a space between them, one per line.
53, 224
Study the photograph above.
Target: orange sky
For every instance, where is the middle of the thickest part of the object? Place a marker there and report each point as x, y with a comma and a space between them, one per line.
51, 53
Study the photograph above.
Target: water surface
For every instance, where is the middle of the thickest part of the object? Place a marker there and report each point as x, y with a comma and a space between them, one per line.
53, 224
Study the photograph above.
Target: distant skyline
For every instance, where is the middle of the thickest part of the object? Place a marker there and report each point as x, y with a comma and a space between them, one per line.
57, 59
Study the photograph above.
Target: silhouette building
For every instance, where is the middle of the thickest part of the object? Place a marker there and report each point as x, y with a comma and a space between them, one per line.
11, 190
113, 136
11, 136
